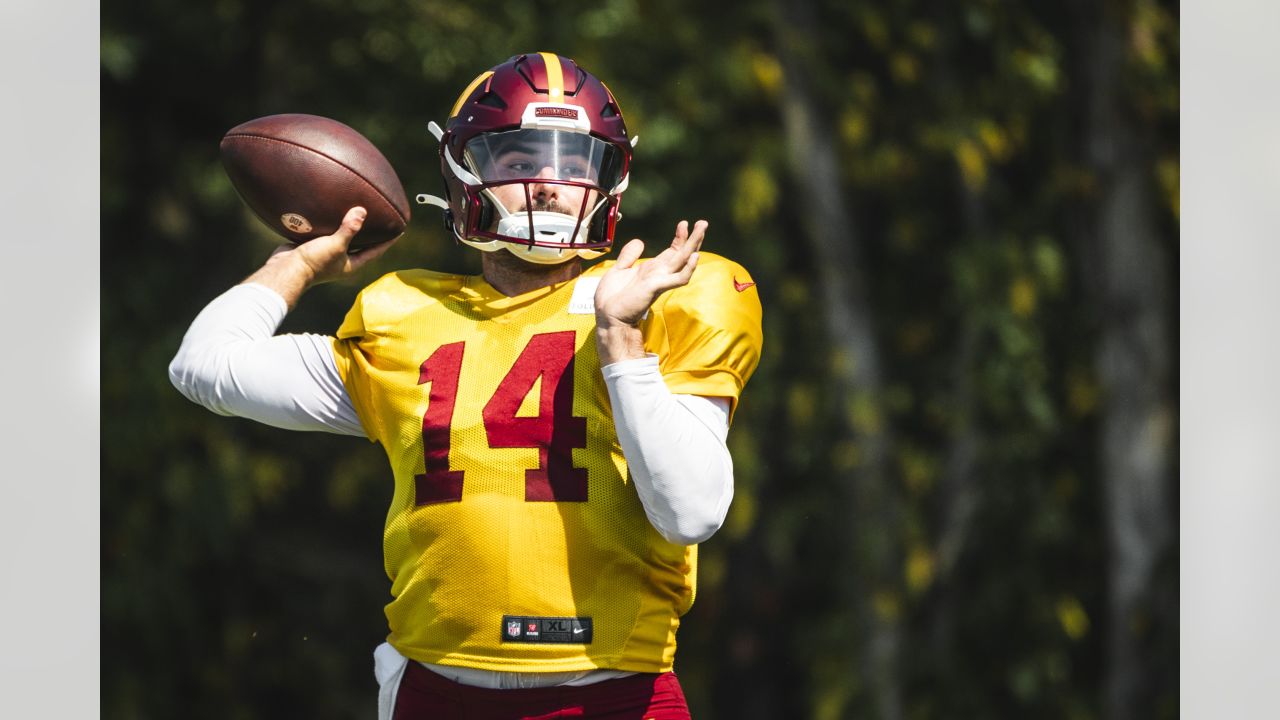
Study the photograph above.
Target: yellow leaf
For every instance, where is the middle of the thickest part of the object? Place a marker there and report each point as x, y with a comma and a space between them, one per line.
1049, 263
1072, 617
904, 67
923, 34
1040, 68
972, 165
756, 196
767, 71
875, 28
1149, 22
864, 414
831, 701
1022, 296
920, 567
854, 128
918, 471
994, 139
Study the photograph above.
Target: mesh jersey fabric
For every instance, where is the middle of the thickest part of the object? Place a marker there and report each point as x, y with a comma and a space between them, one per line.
512, 496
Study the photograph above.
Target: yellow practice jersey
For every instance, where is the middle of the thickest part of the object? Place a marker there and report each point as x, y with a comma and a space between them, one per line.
514, 540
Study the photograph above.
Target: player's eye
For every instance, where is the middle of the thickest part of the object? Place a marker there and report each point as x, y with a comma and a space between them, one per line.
575, 170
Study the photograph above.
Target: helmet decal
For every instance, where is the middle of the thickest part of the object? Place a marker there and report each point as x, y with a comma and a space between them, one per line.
555, 77
470, 89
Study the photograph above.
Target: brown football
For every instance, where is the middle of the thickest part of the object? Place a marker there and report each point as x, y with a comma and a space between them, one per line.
301, 173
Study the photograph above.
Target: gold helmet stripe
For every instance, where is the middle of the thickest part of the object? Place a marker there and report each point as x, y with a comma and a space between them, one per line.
555, 77
467, 93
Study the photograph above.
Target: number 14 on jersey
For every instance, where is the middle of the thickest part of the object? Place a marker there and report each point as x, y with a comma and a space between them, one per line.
555, 431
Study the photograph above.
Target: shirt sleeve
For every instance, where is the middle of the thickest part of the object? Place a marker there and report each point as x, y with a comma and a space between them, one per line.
354, 351
675, 450
708, 334
232, 363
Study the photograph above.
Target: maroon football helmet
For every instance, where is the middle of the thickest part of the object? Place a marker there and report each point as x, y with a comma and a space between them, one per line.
535, 157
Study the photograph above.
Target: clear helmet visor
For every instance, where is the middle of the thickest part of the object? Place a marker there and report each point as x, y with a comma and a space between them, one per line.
550, 188
528, 154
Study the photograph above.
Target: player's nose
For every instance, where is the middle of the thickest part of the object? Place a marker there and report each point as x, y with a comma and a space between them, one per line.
545, 190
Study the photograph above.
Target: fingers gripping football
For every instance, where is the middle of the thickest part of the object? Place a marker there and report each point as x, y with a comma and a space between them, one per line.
330, 257
628, 289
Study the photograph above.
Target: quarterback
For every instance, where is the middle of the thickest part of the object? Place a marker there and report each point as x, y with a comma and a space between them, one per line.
556, 429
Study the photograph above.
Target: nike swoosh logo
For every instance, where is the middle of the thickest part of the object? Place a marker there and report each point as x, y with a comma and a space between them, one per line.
577, 631
740, 286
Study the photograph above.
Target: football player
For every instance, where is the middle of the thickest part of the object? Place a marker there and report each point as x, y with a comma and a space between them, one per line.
556, 431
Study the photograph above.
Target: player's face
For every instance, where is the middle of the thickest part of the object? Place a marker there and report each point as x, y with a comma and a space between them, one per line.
519, 160
543, 170
530, 163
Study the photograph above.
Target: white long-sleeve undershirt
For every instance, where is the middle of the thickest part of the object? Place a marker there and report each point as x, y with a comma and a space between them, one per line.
675, 449
232, 363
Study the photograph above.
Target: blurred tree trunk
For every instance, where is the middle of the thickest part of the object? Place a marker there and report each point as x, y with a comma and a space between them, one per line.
871, 586
960, 496
1132, 361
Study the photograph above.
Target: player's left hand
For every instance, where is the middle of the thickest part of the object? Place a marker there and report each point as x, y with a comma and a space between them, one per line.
627, 290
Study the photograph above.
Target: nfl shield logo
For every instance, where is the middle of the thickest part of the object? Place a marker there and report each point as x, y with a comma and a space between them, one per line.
513, 628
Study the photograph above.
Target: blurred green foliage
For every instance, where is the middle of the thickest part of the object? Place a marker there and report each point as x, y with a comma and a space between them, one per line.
242, 567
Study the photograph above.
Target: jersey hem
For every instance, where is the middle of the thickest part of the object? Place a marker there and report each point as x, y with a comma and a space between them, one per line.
533, 666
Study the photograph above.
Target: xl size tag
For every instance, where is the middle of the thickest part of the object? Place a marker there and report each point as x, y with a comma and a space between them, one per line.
527, 629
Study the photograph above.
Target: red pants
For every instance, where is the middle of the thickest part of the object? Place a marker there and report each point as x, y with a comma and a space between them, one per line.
424, 694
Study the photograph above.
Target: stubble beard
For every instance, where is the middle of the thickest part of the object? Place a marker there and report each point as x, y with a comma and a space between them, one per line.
547, 205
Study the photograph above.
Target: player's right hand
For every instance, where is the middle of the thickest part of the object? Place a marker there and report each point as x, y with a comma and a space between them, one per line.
628, 289
327, 258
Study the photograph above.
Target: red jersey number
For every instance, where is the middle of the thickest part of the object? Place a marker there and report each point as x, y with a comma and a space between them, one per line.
555, 431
